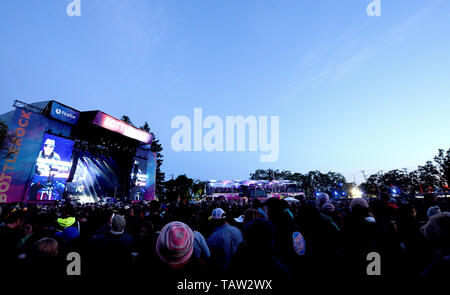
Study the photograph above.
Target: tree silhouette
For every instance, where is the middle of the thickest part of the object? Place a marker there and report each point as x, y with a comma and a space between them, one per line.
443, 162
157, 148
179, 189
127, 120
5, 139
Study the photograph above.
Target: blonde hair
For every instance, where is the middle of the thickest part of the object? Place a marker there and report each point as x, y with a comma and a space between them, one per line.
47, 246
437, 230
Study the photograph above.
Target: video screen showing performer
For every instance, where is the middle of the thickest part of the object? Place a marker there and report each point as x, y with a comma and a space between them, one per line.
52, 169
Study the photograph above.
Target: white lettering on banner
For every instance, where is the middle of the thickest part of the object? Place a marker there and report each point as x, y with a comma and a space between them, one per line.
59, 112
125, 129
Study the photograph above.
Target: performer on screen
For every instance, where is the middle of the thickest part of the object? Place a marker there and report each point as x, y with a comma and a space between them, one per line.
49, 151
47, 161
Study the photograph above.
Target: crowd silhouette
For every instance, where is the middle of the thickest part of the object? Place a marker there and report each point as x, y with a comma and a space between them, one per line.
239, 239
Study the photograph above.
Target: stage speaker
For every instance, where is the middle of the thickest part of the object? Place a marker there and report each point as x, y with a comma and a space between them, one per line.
74, 165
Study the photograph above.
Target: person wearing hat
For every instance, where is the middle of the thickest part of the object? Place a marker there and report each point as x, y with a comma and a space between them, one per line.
45, 164
224, 240
112, 248
175, 244
364, 233
322, 198
49, 150
433, 210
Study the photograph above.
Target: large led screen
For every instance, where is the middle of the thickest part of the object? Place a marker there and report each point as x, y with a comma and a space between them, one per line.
52, 169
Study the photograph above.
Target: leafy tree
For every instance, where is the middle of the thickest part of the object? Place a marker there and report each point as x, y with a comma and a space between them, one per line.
4, 140
127, 120
198, 188
270, 174
443, 162
429, 175
179, 188
426, 176
372, 184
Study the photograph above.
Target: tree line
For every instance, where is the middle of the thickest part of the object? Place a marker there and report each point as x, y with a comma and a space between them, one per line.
433, 176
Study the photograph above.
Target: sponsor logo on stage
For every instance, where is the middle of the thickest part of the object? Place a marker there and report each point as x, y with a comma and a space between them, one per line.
213, 139
69, 115
63, 113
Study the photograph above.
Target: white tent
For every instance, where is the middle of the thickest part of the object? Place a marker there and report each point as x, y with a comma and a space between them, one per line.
291, 199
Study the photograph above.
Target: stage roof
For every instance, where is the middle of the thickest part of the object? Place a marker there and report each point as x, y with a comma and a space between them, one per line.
70, 115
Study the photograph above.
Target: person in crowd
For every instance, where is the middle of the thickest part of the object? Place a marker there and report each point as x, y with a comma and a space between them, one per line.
113, 248
433, 210
224, 240
437, 232
174, 255
322, 198
255, 257
43, 260
201, 249
256, 204
297, 240
252, 214
10, 236
360, 237
289, 243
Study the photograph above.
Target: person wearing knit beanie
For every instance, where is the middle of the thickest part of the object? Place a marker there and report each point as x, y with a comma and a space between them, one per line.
433, 211
322, 198
175, 244
327, 208
359, 202
118, 224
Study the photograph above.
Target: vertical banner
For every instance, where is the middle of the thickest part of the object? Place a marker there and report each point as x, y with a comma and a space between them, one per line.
26, 129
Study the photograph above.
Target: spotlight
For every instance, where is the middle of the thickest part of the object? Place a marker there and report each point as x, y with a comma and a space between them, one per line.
356, 193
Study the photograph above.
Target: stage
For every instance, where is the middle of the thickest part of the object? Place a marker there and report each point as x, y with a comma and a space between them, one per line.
58, 152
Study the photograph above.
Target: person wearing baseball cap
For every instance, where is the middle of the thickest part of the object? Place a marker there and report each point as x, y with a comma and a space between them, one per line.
48, 151
224, 240
217, 214
112, 249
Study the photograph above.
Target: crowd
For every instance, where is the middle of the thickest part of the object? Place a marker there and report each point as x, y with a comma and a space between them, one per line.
274, 239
